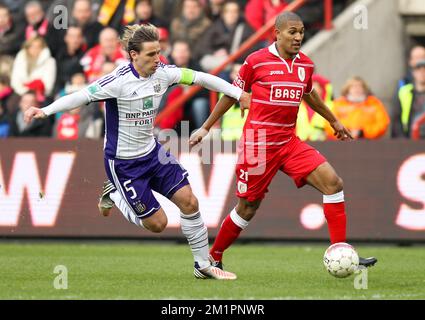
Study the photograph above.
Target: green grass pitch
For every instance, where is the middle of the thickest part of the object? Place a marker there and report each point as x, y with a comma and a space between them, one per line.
146, 270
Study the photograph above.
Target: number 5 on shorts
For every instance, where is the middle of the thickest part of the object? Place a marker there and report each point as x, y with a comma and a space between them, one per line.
128, 189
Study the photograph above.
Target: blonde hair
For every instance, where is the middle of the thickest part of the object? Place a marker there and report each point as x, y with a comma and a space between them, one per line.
32, 61
346, 88
134, 36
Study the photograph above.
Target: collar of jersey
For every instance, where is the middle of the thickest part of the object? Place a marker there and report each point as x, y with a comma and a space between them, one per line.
135, 73
273, 51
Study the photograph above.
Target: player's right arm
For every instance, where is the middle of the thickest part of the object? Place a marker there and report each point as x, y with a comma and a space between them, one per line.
104, 88
65, 103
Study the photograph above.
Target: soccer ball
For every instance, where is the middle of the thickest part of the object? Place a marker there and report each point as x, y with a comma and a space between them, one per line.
341, 260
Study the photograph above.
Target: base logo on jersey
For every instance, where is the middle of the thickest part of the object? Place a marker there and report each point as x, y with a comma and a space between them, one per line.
242, 187
139, 206
286, 93
301, 73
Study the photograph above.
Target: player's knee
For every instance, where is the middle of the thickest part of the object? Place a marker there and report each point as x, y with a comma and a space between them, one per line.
189, 205
336, 185
247, 210
157, 226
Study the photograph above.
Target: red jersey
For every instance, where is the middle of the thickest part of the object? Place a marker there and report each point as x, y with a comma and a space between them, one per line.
277, 86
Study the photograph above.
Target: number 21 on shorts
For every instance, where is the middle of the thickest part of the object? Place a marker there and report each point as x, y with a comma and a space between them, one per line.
242, 186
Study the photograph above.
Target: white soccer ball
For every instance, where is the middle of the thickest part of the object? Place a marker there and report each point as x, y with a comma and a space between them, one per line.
341, 260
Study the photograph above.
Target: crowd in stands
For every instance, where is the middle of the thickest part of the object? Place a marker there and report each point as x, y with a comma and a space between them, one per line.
40, 60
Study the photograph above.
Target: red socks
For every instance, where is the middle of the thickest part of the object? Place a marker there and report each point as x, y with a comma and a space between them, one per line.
228, 233
334, 209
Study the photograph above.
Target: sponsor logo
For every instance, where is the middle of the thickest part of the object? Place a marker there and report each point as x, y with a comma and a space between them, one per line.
301, 73
147, 103
274, 72
286, 93
94, 88
239, 82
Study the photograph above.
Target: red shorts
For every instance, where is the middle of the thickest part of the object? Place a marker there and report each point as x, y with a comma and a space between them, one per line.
257, 166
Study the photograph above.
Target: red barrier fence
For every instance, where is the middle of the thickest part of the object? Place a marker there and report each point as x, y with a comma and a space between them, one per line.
50, 188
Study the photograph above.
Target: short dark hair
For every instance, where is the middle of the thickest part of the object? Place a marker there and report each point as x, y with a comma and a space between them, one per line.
286, 16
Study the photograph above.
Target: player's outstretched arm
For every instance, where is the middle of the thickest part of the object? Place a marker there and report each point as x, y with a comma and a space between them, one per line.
316, 103
65, 103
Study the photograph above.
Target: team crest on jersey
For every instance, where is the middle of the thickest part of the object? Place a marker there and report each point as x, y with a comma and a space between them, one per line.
242, 187
139, 206
157, 87
301, 73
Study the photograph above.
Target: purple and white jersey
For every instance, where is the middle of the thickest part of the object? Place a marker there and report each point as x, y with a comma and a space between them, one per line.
131, 105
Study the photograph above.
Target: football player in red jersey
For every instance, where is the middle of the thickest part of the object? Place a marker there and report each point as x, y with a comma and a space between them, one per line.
279, 77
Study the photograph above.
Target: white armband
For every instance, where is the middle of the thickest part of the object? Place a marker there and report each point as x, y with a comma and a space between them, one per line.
214, 83
66, 103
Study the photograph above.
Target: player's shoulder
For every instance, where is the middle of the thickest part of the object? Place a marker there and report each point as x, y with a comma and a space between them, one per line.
257, 56
120, 72
164, 69
303, 58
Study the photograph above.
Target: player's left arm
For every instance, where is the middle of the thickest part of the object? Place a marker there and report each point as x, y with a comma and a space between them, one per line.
316, 103
214, 83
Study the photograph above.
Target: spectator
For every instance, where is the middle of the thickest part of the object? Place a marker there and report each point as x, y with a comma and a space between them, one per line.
144, 14
258, 12
197, 108
164, 43
6, 65
359, 111
38, 25
190, 25
69, 56
417, 53
214, 8
410, 103
37, 128
16, 9
11, 33
82, 15
4, 122
116, 14
224, 37
311, 125
108, 49
8, 99
34, 68
54, 7
232, 123
167, 9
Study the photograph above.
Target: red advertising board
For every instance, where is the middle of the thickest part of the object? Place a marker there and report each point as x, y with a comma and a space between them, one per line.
50, 188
